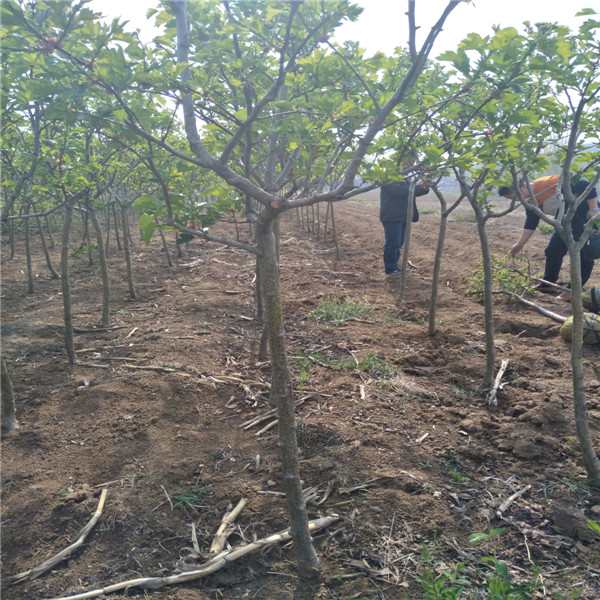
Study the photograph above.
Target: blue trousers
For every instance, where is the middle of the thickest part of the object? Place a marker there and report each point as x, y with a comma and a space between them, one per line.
555, 252
395, 232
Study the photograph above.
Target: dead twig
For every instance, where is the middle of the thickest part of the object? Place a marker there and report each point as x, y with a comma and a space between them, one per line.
96, 329
64, 554
211, 566
492, 395
272, 412
267, 427
511, 499
226, 527
150, 368
168, 498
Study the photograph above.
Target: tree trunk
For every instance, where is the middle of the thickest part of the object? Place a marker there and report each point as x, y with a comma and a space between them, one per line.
7, 400
49, 230
30, 288
409, 216
437, 266
318, 220
334, 234
86, 231
11, 234
439, 252
103, 269
132, 293
488, 298
165, 245
90, 253
116, 220
108, 211
66, 289
53, 272
588, 454
282, 396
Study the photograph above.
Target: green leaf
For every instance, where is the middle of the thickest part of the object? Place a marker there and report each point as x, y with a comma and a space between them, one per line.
145, 204
586, 11
476, 538
163, 17
148, 227
272, 12
184, 238
593, 525
145, 221
502, 569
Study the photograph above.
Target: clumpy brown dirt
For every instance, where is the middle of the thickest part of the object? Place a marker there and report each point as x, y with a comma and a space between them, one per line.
434, 461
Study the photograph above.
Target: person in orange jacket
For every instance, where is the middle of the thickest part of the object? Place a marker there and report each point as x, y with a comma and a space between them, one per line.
544, 192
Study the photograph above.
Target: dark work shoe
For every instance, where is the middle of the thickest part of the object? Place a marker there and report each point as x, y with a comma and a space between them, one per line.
544, 288
394, 274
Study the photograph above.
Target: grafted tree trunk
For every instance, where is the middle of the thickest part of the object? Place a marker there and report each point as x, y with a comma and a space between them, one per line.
103, 268
66, 288
7, 400
282, 396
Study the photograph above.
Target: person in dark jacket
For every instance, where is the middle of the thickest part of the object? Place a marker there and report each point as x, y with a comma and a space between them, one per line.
392, 214
556, 249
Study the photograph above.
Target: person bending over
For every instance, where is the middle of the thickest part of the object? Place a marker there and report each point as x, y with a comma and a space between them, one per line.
544, 193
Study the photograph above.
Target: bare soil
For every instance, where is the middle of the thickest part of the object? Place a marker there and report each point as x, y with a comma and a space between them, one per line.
434, 461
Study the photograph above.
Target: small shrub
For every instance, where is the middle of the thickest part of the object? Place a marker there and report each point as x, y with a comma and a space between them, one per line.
65, 491
190, 499
466, 218
337, 312
82, 250
375, 365
452, 468
486, 577
509, 273
545, 228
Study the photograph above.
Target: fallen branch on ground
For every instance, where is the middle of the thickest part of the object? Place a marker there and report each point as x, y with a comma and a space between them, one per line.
211, 566
64, 554
226, 527
544, 311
